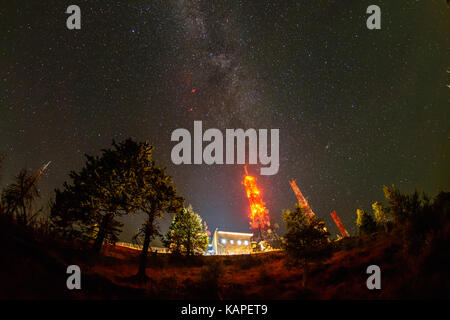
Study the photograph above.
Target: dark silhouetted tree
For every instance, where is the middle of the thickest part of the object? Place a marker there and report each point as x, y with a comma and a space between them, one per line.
365, 222
306, 239
415, 216
104, 189
157, 195
2, 209
2, 158
18, 198
401, 205
381, 215
66, 214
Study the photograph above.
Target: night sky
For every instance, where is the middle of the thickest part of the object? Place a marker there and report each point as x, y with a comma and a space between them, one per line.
357, 109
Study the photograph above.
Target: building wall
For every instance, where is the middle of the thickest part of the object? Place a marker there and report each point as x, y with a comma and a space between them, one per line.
232, 242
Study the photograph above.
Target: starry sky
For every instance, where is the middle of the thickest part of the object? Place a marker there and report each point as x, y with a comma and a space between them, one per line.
357, 109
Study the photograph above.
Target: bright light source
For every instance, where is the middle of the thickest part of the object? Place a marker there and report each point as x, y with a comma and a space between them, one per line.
246, 242
236, 233
231, 241
224, 241
239, 242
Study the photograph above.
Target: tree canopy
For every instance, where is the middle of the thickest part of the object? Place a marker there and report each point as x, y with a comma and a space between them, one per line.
106, 187
365, 222
306, 238
18, 197
186, 234
157, 194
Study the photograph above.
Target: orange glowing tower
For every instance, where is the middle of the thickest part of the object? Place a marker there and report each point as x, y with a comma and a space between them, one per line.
303, 203
301, 199
259, 215
340, 225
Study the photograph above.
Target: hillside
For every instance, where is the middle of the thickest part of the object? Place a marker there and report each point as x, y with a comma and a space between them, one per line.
36, 270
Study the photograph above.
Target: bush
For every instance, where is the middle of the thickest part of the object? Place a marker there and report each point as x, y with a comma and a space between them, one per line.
263, 277
248, 261
208, 286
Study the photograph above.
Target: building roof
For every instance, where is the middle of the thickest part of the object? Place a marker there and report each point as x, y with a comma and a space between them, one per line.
235, 233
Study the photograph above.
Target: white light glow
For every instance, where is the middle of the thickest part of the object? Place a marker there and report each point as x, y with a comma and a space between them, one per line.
236, 233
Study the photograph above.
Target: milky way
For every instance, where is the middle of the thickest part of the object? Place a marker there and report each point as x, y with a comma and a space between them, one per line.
215, 82
356, 108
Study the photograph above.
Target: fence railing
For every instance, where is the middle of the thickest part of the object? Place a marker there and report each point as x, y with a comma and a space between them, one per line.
139, 247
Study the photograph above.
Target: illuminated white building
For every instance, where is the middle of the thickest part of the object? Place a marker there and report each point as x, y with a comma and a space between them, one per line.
225, 242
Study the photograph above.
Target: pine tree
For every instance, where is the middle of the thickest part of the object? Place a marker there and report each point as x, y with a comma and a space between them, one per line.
68, 217
18, 198
2, 209
186, 233
306, 238
104, 189
157, 194
381, 215
365, 222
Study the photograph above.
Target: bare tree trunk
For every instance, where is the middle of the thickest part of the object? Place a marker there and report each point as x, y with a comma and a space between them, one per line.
101, 233
144, 253
305, 272
147, 237
188, 245
24, 214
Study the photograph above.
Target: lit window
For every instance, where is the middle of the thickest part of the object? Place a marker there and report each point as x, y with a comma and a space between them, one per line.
239, 242
246, 242
231, 241
224, 241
